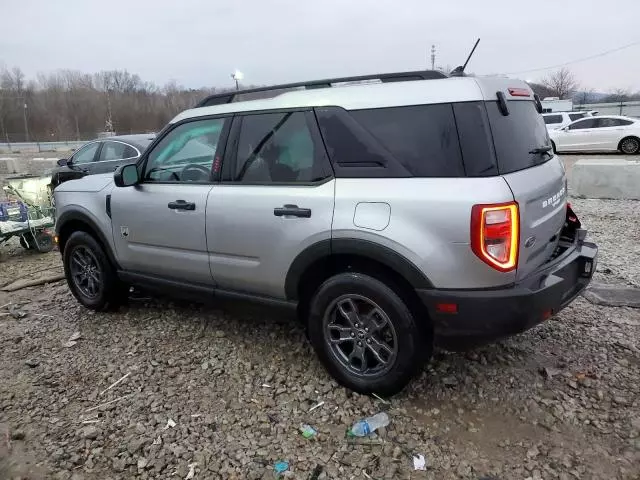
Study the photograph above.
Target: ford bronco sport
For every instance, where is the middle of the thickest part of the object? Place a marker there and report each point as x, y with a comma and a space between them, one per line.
405, 210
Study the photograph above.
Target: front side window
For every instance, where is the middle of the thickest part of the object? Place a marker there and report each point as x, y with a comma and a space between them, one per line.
582, 124
86, 154
278, 148
186, 153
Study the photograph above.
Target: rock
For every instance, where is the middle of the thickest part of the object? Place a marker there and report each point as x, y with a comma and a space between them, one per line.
90, 432
135, 445
119, 464
533, 452
32, 363
142, 463
397, 453
450, 381
17, 435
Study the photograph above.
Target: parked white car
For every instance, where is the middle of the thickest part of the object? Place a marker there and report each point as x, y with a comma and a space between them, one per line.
607, 133
557, 120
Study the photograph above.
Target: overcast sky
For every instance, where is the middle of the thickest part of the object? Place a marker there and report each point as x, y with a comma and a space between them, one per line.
200, 42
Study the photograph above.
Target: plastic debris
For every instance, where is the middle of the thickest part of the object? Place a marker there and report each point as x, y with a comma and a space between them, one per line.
318, 405
419, 463
158, 440
308, 431
386, 402
192, 471
369, 425
170, 424
280, 467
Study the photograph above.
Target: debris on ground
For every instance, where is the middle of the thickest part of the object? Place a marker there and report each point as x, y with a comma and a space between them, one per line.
316, 406
280, 467
117, 382
308, 431
419, 463
170, 424
365, 427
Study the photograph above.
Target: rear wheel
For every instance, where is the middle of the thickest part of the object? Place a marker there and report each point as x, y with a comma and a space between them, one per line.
630, 145
365, 335
90, 275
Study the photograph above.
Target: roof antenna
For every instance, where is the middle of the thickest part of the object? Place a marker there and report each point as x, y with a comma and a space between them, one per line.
459, 71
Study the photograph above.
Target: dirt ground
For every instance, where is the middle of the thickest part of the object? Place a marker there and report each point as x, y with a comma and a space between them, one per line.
220, 391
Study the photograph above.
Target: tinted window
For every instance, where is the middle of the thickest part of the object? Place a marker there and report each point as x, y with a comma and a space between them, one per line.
612, 122
576, 116
475, 139
186, 153
116, 151
586, 123
278, 147
516, 134
423, 139
86, 154
552, 119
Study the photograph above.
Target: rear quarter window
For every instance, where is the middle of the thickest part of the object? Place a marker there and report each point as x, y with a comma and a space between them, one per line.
422, 138
576, 116
551, 119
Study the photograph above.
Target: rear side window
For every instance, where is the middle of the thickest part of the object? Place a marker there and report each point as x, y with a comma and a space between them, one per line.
423, 138
576, 116
278, 148
518, 134
551, 119
612, 122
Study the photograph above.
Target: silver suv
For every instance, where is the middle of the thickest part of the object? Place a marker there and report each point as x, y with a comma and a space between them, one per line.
400, 212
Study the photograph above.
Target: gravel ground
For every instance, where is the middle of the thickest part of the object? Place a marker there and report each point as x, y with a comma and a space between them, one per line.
221, 391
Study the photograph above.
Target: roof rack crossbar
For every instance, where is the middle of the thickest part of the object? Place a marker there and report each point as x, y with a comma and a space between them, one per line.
228, 97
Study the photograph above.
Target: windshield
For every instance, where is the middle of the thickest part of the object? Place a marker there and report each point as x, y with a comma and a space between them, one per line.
519, 136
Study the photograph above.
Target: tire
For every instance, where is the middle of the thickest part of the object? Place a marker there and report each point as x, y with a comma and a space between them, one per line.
99, 289
44, 242
26, 242
406, 349
630, 146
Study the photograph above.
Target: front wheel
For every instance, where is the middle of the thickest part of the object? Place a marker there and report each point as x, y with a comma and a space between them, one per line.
89, 273
365, 335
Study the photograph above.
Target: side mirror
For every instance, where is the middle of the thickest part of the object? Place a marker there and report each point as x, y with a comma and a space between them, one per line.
126, 176
63, 162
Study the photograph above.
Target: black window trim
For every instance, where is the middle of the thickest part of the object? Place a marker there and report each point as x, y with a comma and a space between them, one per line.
214, 177
229, 160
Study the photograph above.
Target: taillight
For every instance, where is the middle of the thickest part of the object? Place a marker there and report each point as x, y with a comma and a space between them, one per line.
519, 92
495, 234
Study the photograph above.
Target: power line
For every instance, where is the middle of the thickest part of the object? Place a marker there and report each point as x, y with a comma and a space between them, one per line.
602, 54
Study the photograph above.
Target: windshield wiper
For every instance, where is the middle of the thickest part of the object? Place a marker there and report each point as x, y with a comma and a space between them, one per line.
545, 149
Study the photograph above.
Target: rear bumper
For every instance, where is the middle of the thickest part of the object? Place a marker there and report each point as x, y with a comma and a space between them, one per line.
486, 315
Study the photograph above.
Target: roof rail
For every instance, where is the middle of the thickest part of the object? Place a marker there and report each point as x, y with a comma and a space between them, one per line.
230, 97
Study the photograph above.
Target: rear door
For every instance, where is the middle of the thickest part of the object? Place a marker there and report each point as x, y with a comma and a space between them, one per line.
275, 200
608, 133
537, 180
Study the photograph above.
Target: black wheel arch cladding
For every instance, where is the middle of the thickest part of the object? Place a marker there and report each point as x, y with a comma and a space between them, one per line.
324, 250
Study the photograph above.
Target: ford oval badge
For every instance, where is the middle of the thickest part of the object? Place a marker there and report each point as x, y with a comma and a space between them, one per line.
530, 242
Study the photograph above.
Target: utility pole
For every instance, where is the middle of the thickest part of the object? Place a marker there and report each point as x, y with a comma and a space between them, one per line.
26, 127
433, 57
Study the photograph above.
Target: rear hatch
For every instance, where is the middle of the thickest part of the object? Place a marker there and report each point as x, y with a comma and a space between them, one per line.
536, 178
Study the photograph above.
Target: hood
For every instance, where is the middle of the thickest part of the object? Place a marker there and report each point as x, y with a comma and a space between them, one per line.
90, 183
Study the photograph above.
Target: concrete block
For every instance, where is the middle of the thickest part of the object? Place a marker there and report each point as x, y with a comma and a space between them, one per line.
41, 166
607, 178
9, 165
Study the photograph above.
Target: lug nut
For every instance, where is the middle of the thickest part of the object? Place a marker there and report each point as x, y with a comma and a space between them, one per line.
366, 329
368, 340
353, 334
357, 325
359, 344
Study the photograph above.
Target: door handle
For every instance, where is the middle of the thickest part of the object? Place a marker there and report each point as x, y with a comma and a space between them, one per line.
292, 211
182, 205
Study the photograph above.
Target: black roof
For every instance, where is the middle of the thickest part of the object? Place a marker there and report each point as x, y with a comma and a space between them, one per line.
230, 97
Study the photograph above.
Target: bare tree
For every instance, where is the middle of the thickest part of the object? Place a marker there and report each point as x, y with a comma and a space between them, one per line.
585, 96
562, 83
618, 95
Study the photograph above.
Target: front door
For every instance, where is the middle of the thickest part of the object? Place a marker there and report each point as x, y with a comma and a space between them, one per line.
580, 135
159, 225
276, 199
